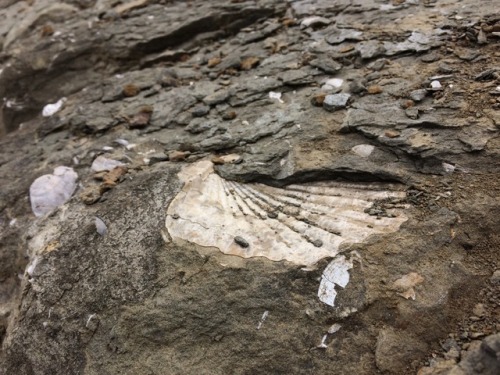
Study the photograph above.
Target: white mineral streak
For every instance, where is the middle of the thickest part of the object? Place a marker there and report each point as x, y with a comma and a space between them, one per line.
52, 190
263, 319
51, 109
30, 269
299, 223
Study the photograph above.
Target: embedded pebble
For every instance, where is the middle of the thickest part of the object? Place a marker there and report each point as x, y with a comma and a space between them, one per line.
317, 243
495, 278
418, 95
241, 241
412, 113
336, 101
178, 155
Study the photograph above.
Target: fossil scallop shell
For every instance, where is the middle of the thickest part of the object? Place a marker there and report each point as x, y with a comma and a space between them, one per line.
300, 223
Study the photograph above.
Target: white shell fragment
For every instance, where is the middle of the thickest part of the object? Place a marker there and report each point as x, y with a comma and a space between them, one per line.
275, 95
314, 20
322, 344
102, 163
335, 82
436, 85
448, 168
263, 319
100, 226
91, 316
51, 109
336, 273
300, 223
334, 328
363, 150
30, 269
52, 190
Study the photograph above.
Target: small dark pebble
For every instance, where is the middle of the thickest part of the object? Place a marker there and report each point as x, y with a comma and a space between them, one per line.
229, 116
200, 111
241, 241
445, 69
487, 75
430, 57
317, 243
272, 215
357, 87
175, 216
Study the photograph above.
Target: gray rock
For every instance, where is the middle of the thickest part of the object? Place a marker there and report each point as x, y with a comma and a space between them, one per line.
430, 57
466, 54
393, 350
378, 64
418, 95
326, 64
336, 101
446, 68
370, 49
412, 113
357, 86
197, 126
480, 358
296, 77
217, 97
341, 35
200, 111
495, 278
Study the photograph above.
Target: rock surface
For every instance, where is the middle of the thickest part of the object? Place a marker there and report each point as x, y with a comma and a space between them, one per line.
99, 286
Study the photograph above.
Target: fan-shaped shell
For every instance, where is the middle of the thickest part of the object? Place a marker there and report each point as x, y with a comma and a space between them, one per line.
300, 223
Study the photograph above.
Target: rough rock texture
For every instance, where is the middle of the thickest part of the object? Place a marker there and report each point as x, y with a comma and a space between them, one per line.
158, 85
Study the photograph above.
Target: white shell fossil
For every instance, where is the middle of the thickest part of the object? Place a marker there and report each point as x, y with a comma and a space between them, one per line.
363, 150
300, 223
52, 190
276, 95
335, 274
102, 163
52, 109
100, 226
